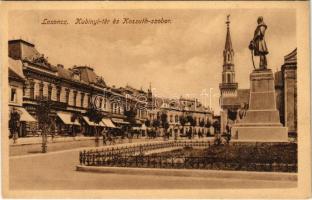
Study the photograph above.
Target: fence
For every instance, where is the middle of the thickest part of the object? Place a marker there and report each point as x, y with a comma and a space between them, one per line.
132, 156
140, 148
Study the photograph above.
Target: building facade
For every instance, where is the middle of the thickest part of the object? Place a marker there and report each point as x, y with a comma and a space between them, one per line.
185, 117
71, 92
286, 92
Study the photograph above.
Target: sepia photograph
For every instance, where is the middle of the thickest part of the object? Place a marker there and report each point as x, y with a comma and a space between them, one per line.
156, 100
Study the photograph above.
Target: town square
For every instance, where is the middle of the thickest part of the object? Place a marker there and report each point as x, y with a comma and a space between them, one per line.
152, 99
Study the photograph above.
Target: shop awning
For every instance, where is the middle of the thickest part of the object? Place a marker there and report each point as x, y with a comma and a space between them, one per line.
25, 116
143, 127
66, 118
86, 119
138, 121
119, 121
108, 123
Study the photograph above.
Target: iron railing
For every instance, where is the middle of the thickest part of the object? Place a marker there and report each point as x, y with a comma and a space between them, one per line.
140, 148
133, 156
180, 162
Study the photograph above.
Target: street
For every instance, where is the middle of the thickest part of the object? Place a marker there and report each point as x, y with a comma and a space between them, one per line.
56, 170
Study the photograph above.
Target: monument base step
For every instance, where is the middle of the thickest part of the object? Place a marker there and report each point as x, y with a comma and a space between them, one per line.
257, 133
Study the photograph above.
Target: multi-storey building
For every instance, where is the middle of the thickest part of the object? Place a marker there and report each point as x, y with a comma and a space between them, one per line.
70, 91
286, 92
16, 86
178, 112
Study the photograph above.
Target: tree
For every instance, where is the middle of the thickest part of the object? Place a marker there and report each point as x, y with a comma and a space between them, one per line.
156, 123
189, 119
95, 116
232, 114
208, 125
73, 118
216, 126
130, 114
44, 120
164, 122
192, 122
14, 124
182, 120
147, 123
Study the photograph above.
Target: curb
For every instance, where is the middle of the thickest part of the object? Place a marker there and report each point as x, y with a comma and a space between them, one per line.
269, 176
56, 140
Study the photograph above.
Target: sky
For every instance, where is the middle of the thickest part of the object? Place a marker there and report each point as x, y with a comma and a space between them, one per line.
181, 58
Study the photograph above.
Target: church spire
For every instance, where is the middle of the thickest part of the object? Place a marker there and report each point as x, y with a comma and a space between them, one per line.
228, 52
228, 41
228, 86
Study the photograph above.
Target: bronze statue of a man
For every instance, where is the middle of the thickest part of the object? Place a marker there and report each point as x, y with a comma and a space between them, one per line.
258, 45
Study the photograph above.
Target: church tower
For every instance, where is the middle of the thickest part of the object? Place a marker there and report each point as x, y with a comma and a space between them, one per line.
150, 97
228, 87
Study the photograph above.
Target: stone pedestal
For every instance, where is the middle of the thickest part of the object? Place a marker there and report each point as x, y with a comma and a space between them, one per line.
262, 121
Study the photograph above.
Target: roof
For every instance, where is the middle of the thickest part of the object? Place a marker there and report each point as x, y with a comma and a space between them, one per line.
178, 104
64, 73
291, 57
16, 68
242, 97
88, 75
228, 41
21, 41
28, 50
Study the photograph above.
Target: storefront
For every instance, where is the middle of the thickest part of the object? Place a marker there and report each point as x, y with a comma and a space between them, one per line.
67, 125
108, 123
28, 124
120, 122
89, 126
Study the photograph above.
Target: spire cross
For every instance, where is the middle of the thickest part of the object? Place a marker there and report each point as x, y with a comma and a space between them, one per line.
228, 20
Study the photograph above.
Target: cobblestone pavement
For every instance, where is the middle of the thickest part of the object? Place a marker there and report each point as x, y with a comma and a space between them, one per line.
57, 171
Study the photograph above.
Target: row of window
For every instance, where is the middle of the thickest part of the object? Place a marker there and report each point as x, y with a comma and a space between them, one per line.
175, 118
116, 108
